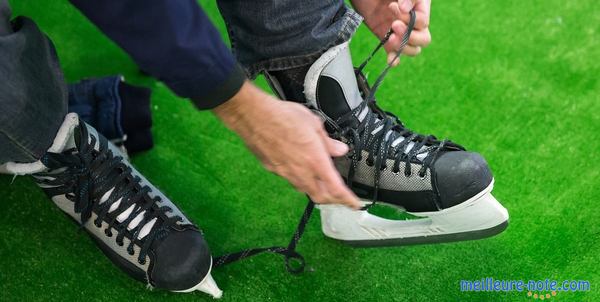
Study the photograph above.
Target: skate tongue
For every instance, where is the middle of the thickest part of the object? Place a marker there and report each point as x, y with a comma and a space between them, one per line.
331, 85
66, 135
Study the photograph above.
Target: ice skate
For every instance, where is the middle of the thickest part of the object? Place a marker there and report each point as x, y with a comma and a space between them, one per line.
445, 189
139, 229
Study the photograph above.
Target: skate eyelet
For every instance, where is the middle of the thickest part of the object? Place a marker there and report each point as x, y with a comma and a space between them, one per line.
422, 176
142, 262
131, 252
120, 243
407, 174
369, 163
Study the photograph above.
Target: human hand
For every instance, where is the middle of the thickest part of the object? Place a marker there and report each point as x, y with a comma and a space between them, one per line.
290, 141
380, 15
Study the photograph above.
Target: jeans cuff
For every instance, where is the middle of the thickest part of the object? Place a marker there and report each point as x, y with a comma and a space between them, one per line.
351, 21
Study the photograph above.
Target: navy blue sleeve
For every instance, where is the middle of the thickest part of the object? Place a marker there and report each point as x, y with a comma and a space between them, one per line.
174, 41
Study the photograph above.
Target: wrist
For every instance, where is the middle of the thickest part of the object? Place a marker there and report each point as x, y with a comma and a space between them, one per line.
244, 108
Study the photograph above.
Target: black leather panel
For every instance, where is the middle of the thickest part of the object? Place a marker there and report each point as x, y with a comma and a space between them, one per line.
460, 175
330, 97
181, 260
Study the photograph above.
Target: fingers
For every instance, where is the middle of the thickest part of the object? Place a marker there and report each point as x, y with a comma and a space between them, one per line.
420, 38
334, 147
408, 50
321, 181
411, 51
422, 9
307, 164
328, 176
416, 41
332, 183
395, 8
406, 5
316, 175
421, 20
391, 57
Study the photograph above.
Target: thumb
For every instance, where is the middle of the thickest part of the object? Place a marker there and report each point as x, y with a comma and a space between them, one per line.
335, 148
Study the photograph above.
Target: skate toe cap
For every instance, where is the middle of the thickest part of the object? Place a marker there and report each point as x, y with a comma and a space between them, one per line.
460, 175
181, 261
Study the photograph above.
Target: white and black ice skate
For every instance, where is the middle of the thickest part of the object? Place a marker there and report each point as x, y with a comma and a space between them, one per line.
448, 188
135, 225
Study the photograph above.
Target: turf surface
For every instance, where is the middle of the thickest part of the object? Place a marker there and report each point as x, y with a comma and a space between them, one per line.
515, 80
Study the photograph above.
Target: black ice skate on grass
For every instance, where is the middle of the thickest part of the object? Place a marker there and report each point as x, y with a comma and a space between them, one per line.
435, 180
137, 227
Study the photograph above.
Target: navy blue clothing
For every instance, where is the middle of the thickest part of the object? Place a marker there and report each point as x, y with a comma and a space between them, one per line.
171, 39
118, 110
174, 41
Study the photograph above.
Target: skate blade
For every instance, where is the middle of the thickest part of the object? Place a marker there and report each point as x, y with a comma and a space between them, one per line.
479, 217
432, 239
207, 285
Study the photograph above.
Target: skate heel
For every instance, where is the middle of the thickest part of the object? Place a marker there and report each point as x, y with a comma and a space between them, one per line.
479, 217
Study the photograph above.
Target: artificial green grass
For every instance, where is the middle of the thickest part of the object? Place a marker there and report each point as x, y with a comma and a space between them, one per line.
514, 80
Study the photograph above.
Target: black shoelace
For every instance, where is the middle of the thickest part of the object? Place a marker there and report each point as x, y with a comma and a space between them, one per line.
381, 134
377, 146
86, 175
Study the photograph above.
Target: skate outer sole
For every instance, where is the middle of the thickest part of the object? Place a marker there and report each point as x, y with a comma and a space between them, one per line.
478, 217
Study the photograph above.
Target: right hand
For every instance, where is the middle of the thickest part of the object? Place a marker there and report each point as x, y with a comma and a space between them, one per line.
290, 141
380, 15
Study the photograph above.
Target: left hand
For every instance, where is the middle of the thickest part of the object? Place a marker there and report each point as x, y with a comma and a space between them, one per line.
380, 15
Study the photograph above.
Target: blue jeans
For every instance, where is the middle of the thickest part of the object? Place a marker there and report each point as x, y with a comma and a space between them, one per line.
33, 95
272, 35
265, 35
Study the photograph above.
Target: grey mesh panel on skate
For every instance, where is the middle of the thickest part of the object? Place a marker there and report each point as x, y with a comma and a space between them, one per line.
68, 207
111, 242
365, 175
